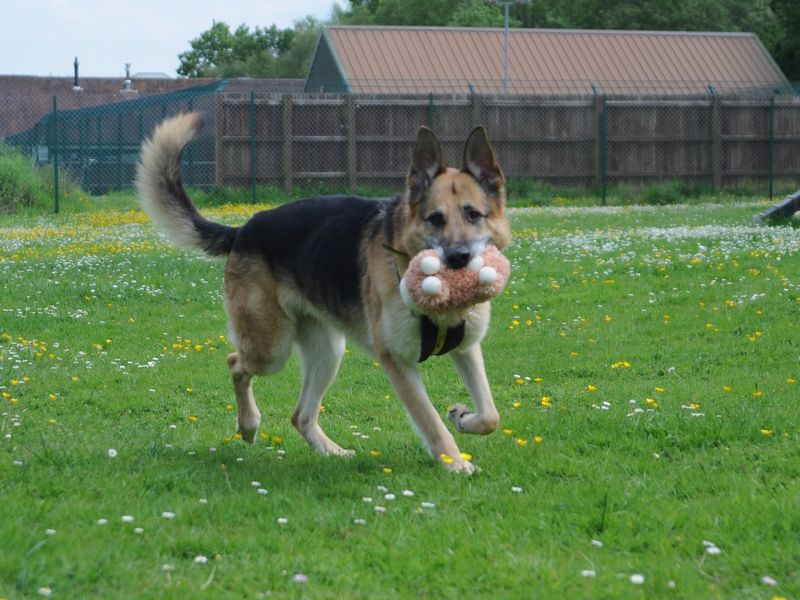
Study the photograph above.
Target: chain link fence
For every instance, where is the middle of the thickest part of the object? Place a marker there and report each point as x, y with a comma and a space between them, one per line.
591, 144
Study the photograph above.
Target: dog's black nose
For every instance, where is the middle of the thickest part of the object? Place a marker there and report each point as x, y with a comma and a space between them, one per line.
456, 258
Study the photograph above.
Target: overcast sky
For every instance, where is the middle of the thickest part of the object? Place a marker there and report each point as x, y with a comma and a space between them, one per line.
43, 37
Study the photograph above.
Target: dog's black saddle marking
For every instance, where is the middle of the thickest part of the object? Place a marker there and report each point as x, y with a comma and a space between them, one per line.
437, 340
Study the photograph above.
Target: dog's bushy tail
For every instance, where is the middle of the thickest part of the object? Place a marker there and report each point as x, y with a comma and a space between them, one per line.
161, 193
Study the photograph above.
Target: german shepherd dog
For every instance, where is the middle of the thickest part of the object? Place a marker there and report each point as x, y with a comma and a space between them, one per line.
311, 272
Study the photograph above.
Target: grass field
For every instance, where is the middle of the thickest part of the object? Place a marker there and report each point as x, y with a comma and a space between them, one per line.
644, 360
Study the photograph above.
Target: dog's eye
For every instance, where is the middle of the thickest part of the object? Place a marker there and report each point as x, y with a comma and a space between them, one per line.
436, 219
473, 216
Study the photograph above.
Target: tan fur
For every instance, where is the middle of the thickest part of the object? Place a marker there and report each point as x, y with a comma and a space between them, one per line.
268, 315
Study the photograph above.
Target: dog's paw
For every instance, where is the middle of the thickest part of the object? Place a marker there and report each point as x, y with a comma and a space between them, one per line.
467, 421
247, 436
457, 465
457, 414
343, 452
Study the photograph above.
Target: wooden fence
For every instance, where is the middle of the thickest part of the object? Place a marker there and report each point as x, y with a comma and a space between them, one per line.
582, 141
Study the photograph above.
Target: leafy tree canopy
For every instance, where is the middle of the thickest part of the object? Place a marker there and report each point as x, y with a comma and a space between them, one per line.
272, 52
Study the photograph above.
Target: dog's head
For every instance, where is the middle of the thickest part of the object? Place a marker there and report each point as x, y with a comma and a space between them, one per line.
455, 211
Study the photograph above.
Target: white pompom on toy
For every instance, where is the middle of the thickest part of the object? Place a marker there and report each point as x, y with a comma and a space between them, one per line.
487, 275
430, 265
431, 285
476, 263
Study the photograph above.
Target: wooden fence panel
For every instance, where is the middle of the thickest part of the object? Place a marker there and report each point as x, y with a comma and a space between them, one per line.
353, 140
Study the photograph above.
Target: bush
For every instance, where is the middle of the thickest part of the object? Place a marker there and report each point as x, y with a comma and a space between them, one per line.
22, 184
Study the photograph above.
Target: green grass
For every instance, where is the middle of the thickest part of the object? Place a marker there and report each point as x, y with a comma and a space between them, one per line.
110, 338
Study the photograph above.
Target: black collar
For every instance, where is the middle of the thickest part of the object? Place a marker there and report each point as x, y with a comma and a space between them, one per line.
438, 339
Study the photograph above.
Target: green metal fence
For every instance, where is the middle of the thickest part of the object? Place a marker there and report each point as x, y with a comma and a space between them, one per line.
98, 146
591, 144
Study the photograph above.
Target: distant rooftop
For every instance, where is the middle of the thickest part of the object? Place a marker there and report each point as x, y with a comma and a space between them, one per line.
151, 75
397, 60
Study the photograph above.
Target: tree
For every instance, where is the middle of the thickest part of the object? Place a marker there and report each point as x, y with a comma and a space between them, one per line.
262, 52
429, 13
786, 48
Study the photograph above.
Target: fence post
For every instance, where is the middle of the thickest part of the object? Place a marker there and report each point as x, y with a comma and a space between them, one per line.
351, 141
119, 152
716, 139
601, 146
431, 114
287, 143
771, 145
252, 119
55, 155
475, 107
604, 149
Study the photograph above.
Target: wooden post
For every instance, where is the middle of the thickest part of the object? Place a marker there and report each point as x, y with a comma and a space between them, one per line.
351, 142
287, 143
716, 141
475, 109
600, 164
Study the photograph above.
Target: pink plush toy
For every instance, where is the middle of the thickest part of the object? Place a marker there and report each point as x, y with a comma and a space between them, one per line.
432, 288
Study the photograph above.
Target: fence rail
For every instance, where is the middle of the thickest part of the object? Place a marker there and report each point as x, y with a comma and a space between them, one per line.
588, 142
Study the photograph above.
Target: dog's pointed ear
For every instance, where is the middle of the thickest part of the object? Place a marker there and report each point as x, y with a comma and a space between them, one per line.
427, 161
480, 161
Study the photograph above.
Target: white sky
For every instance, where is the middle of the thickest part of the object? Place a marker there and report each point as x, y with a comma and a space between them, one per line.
43, 37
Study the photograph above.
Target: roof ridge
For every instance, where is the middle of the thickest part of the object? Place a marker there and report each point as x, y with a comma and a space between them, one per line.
624, 32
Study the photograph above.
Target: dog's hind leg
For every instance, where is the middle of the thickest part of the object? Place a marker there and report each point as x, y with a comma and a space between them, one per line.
320, 348
485, 419
260, 330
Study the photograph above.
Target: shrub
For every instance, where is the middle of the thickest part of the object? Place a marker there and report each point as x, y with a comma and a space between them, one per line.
22, 184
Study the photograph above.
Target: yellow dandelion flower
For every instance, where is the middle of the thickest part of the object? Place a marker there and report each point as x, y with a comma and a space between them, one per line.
263, 436
508, 431
758, 394
694, 405
537, 380
237, 436
375, 453
229, 407
276, 439
766, 431
190, 390
727, 388
192, 419
659, 389
538, 439
591, 387
448, 460
516, 404
387, 397
51, 396
608, 318
51, 421
519, 381
466, 456
75, 378
521, 442
6, 395
791, 381
546, 400
226, 439
387, 470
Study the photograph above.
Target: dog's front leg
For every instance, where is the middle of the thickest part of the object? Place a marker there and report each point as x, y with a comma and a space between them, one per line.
485, 419
408, 385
